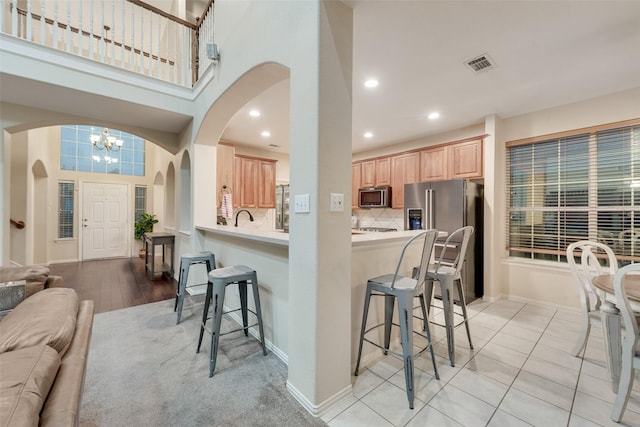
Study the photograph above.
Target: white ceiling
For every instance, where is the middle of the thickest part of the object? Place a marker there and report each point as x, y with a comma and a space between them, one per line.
547, 53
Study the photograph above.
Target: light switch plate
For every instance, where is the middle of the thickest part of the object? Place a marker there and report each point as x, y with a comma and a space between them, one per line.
301, 203
336, 202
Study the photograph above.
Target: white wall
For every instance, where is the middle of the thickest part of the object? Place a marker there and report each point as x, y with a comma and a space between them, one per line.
550, 283
43, 144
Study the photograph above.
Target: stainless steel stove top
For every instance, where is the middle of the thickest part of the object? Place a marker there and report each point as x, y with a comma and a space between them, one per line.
377, 229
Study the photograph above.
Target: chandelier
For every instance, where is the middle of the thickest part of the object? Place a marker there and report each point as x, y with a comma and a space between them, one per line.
104, 141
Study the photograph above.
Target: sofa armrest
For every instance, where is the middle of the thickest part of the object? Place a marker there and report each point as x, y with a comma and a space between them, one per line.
63, 404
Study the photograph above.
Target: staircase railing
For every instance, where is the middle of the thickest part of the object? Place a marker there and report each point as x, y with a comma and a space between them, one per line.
129, 34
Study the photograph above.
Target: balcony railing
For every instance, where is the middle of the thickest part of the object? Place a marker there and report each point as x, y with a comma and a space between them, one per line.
128, 34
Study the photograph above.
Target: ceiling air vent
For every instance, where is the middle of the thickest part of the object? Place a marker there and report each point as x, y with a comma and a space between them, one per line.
481, 63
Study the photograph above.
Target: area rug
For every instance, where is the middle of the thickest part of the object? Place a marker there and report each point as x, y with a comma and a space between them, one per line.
143, 370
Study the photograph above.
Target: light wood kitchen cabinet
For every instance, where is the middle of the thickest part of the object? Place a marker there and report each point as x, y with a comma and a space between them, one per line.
368, 173
383, 171
465, 160
249, 183
404, 170
266, 184
256, 181
433, 164
356, 183
375, 173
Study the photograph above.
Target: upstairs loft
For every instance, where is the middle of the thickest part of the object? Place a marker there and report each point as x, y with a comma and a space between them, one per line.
128, 34
142, 75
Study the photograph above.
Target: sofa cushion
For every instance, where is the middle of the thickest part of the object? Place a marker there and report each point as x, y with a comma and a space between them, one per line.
27, 376
48, 317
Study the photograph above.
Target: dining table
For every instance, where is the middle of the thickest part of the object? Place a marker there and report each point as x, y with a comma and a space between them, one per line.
611, 324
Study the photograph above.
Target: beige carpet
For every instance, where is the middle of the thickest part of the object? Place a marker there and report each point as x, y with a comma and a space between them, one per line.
143, 370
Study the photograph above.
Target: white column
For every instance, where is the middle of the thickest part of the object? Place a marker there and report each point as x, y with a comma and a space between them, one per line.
320, 241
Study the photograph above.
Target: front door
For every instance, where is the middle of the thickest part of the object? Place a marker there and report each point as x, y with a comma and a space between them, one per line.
104, 220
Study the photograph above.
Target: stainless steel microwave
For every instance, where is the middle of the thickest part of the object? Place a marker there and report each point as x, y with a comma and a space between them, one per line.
374, 197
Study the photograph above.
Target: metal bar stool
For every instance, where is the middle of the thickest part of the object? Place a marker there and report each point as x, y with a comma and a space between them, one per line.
404, 289
186, 261
449, 274
218, 281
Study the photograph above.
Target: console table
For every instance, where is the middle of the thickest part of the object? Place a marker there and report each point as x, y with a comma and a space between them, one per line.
151, 240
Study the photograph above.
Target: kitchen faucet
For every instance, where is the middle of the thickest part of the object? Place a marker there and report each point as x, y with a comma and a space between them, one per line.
243, 210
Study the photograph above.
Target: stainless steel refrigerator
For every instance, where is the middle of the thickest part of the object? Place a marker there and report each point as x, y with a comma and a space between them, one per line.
282, 208
447, 206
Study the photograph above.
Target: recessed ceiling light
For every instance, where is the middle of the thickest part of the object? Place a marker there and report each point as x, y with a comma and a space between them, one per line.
371, 83
368, 135
265, 133
433, 115
254, 113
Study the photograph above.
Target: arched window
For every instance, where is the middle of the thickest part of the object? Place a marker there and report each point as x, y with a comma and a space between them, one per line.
78, 152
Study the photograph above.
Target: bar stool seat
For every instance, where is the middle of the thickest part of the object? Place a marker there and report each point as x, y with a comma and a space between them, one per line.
186, 261
219, 279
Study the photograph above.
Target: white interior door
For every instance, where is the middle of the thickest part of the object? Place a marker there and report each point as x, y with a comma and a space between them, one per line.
104, 220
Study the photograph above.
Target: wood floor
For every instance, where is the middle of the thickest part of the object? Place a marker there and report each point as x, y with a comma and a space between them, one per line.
114, 283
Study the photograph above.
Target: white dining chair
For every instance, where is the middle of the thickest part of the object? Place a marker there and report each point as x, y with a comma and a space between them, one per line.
589, 255
630, 355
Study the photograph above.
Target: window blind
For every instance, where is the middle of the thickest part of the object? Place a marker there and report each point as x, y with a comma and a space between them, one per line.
65, 209
581, 185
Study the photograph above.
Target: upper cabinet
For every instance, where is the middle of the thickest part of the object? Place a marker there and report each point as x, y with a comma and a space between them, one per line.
437, 163
459, 160
375, 172
404, 170
266, 184
368, 173
356, 183
433, 164
254, 182
383, 171
466, 159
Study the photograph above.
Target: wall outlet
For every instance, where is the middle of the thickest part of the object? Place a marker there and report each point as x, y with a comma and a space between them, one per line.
301, 203
336, 202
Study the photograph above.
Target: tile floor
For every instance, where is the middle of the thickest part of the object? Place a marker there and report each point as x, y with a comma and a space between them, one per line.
520, 373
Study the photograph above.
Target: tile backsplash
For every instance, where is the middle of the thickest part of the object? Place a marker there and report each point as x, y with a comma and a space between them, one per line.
264, 219
386, 218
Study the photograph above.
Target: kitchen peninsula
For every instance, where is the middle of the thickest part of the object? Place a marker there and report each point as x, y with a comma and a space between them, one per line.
267, 252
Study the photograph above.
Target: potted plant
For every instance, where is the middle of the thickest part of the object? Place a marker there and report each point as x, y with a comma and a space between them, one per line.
144, 224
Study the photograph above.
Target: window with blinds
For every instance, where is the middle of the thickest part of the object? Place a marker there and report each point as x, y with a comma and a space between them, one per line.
65, 210
581, 185
140, 201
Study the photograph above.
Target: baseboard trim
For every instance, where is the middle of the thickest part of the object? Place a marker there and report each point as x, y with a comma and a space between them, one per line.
317, 410
254, 333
